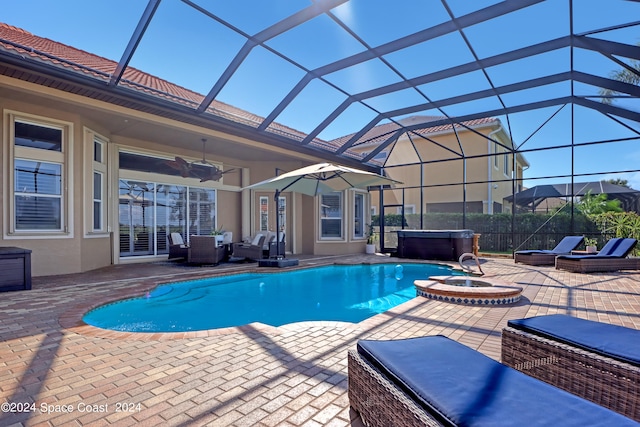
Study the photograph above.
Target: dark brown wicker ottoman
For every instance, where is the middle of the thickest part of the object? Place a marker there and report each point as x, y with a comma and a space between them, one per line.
433, 381
612, 381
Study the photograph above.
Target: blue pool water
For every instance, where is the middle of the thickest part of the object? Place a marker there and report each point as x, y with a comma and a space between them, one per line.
349, 293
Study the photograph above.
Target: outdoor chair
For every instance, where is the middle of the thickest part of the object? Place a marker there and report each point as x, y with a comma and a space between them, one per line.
177, 247
203, 250
252, 250
548, 256
277, 248
612, 257
434, 381
596, 361
227, 237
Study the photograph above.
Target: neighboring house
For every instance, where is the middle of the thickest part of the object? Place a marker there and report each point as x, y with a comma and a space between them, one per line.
89, 175
432, 158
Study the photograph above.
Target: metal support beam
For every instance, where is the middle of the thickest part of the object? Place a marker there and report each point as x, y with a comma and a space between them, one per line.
144, 22
278, 28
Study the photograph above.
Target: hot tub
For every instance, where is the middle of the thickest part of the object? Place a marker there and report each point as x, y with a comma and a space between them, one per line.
445, 245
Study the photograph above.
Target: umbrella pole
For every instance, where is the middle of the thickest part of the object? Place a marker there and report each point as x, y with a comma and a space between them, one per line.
277, 200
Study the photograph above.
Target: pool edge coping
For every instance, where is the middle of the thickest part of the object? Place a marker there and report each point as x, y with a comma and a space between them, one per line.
71, 319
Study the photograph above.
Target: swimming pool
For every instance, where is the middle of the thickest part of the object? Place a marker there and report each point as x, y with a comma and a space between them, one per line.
348, 293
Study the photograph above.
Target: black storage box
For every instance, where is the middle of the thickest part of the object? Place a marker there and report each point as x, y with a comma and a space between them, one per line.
15, 265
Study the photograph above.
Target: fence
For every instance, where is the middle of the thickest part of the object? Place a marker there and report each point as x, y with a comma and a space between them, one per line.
532, 231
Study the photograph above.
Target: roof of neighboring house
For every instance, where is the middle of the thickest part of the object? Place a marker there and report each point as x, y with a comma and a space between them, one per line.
381, 133
532, 197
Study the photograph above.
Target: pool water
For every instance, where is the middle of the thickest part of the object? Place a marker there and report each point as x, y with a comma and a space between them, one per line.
348, 293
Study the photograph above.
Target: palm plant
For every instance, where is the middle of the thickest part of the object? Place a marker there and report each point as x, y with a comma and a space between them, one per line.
630, 75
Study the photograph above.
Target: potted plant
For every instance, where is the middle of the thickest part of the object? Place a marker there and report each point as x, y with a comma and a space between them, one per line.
217, 233
591, 244
372, 238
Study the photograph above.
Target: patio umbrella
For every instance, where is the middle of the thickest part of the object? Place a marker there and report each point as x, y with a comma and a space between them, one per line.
318, 179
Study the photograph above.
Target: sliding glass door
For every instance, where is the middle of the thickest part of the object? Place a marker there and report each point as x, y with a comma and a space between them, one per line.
148, 212
136, 217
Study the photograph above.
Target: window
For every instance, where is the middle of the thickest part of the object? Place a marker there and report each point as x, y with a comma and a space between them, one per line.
38, 181
496, 150
264, 213
506, 164
282, 213
153, 204
358, 215
331, 216
38, 195
96, 148
202, 211
408, 209
98, 219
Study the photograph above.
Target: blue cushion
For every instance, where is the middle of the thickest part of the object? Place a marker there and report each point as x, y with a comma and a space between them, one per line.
618, 247
536, 251
568, 243
616, 342
565, 246
463, 387
623, 248
610, 246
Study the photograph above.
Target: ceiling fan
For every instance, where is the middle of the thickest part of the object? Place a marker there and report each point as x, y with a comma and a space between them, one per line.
201, 169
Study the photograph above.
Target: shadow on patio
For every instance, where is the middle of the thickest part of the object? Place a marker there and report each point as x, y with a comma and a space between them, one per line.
290, 375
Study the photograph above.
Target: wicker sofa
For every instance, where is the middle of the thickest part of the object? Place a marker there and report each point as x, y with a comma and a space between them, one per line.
597, 361
435, 381
250, 250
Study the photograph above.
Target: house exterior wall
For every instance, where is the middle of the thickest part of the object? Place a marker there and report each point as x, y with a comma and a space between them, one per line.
77, 247
445, 171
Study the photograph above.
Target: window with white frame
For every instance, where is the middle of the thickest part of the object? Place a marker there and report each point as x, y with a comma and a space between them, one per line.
38, 180
358, 215
331, 214
99, 167
408, 209
496, 150
506, 164
264, 213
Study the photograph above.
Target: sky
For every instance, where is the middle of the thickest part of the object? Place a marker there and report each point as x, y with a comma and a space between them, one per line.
189, 48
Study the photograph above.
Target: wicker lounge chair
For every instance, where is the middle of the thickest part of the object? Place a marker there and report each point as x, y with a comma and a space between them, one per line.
548, 257
612, 257
203, 250
596, 361
177, 247
252, 250
276, 249
434, 381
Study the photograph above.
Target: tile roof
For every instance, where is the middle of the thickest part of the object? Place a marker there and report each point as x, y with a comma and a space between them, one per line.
55, 53
381, 133
43, 49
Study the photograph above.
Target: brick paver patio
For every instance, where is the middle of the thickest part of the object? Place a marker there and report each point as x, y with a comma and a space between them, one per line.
296, 375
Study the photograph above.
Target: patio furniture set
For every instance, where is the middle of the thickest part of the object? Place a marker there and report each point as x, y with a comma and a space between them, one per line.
555, 370
614, 256
207, 250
